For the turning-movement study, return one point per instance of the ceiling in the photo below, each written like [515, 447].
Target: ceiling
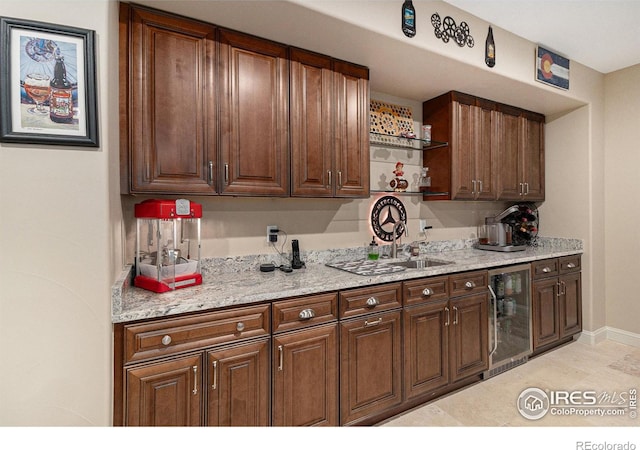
[601, 34]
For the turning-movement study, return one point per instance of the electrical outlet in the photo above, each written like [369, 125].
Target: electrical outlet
[272, 233]
[423, 225]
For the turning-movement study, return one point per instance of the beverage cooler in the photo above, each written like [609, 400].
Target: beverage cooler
[510, 327]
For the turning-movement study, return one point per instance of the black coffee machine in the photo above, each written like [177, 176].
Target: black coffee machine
[510, 231]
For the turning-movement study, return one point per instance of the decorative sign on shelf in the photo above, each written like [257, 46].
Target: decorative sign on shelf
[552, 68]
[447, 29]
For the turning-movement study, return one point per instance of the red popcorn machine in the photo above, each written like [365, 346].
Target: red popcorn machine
[167, 244]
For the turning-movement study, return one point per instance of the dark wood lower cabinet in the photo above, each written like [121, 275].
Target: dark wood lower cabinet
[370, 365]
[469, 336]
[165, 394]
[238, 388]
[305, 377]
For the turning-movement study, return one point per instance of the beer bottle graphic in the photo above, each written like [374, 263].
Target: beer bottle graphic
[61, 101]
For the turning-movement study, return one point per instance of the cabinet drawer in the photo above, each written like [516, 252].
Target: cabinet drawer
[426, 290]
[303, 312]
[468, 283]
[569, 264]
[545, 268]
[378, 298]
[169, 336]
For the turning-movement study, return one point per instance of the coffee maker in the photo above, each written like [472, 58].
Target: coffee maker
[509, 231]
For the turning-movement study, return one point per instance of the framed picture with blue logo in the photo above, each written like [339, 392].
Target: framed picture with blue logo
[551, 68]
[47, 88]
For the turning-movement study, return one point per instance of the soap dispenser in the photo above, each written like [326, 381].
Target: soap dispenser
[372, 250]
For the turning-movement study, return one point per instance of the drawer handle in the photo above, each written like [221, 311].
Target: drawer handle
[166, 340]
[240, 326]
[281, 357]
[446, 311]
[469, 285]
[427, 292]
[214, 386]
[546, 269]
[372, 301]
[306, 314]
[571, 266]
[373, 323]
[455, 316]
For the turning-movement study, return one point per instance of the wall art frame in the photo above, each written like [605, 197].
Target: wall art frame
[551, 68]
[33, 55]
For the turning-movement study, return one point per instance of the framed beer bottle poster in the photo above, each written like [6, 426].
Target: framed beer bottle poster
[47, 92]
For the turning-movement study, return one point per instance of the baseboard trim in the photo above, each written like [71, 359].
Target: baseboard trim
[613, 334]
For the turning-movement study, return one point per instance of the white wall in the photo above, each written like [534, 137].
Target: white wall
[621, 185]
[55, 232]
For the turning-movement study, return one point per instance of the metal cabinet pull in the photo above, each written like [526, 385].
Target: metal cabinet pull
[373, 323]
[195, 380]
[480, 190]
[339, 179]
[329, 179]
[210, 172]
[469, 285]
[306, 314]
[214, 386]
[521, 188]
[446, 310]
[526, 192]
[455, 316]
[559, 289]
[571, 266]
[281, 357]
[473, 189]
[226, 173]
[564, 287]
[546, 269]
[372, 301]
[427, 292]
[240, 326]
[166, 340]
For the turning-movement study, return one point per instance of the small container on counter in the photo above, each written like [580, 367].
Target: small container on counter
[373, 252]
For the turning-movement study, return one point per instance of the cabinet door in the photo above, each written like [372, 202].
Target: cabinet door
[254, 115]
[426, 350]
[370, 365]
[165, 394]
[546, 324]
[238, 385]
[312, 100]
[351, 164]
[533, 174]
[509, 180]
[171, 129]
[305, 377]
[486, 124]
[469, 335]
[462, 143]
[570, 304]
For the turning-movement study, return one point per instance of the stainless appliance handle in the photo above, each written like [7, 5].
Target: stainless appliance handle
[495, 321]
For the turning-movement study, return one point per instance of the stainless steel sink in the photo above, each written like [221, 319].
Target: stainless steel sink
[420, 263]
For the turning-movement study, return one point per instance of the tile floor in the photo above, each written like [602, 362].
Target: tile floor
[608, 368]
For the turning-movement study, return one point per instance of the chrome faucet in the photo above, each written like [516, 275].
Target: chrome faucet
[394, 245]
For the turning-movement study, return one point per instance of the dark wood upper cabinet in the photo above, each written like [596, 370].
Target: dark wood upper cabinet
[254, 115]
[494, 151]
[168, 122]
[329, 126]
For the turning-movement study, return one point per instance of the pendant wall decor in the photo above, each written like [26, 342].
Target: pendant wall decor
[490, 50]
[447, 29]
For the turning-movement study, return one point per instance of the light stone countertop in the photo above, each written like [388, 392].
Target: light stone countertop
[237, 281]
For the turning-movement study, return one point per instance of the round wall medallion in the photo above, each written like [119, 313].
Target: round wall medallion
[386, 212]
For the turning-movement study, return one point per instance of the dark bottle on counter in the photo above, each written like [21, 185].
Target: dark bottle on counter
[490, 50]
[61, 100]
[408, 19]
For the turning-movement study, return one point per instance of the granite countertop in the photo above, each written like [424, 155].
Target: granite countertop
[237, 281]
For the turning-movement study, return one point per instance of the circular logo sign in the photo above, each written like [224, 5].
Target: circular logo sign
[386, 212]
[533, 403]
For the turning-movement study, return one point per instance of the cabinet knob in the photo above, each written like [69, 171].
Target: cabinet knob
[372, 301]
[306, 314]
[240, 326]
[546, 269]
[166, 340]
[427, 292]
[469, 285]
[571, 266]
